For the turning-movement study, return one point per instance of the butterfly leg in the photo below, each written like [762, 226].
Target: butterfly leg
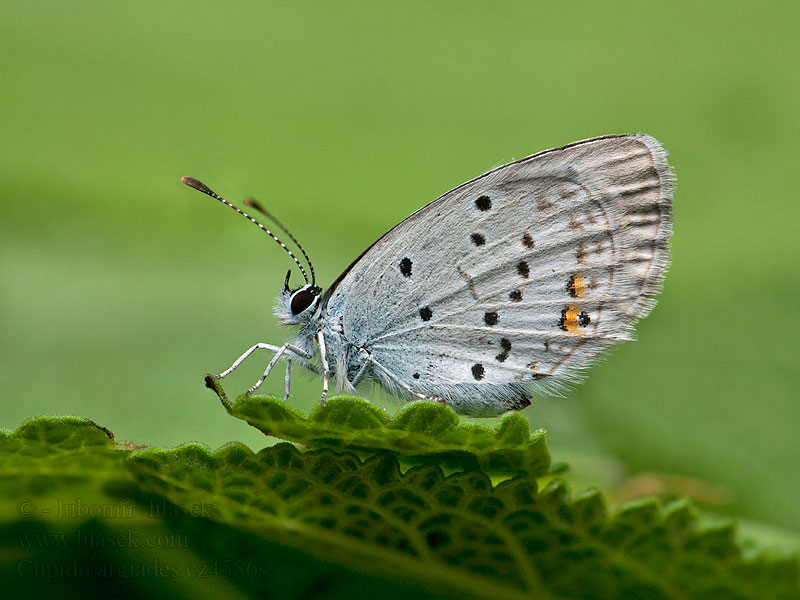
[279, 350]
[278, 353]
[242, 358]
[288, 380]
[357, 379]
[261, 346]
[325, 368]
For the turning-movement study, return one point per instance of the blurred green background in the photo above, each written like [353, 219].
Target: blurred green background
[120, 287]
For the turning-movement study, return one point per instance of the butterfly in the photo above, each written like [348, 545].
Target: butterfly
[509, 285]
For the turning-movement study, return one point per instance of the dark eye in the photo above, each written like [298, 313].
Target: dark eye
[301, 301]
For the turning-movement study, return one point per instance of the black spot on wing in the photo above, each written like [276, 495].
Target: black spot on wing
[483, 203]
[426, 313]
[478, 239]
[478, 371]
[505, 344]
[523, 269]
[516, 296]
[490, 318]
[527, 241]
[405, 266]
[415, 375]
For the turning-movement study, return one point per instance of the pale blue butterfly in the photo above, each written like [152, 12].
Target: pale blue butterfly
[508, 285]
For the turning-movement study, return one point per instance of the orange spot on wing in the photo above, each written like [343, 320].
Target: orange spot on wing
[580, 286]
[569, 319]
[576, 286]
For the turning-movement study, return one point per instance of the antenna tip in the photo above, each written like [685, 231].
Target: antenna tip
[252, 202]
[194, 183]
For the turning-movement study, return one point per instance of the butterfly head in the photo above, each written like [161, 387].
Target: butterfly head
[293, 306]
[298, 305]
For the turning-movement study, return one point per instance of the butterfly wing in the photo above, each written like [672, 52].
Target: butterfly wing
[518, 279]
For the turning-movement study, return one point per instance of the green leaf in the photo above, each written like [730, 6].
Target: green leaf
[109, 521]
[459, 533]
[74, 522]
[421, 433]
[48, 455]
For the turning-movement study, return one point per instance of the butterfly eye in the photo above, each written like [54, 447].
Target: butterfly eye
[302, 300]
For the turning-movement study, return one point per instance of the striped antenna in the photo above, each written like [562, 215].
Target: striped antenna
[253, 203]
[201, 187]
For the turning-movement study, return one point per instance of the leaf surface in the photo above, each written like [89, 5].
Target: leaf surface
[328, 523]
[420, 433]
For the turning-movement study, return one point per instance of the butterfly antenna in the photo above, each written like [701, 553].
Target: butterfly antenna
[201, 187]
[253, 203]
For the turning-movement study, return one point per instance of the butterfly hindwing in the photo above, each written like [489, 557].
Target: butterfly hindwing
[517, 279]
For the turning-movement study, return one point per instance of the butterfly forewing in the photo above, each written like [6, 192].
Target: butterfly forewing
[519, 278]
